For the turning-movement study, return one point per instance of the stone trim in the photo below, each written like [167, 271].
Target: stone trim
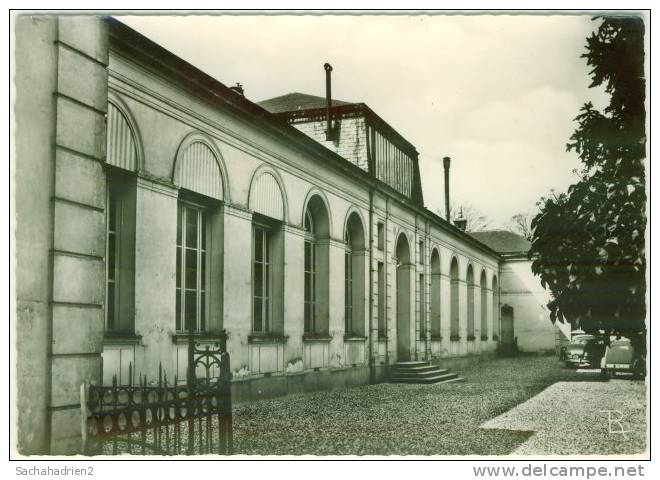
[77, 204]
[71, 48]
[121, 339]
[78, 153]
[80, 103]
[261, 339]
[236, 211]
[67, 253]
[316, 338]
[157, 186]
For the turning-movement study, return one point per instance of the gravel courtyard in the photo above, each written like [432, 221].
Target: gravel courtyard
[395, 419]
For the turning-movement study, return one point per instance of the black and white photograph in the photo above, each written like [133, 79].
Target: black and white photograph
[330, 234]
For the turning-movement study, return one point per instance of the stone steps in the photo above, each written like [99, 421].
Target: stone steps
[420, 373]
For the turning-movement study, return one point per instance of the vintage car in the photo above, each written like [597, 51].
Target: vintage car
[583, 351]
[621, 357]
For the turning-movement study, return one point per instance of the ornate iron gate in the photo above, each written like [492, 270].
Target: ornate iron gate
[163, 418]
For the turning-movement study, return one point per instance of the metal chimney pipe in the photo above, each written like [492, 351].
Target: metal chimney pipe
[328, 99]
[446, 161]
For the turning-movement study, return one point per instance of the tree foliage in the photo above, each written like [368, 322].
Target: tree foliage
[588, 244]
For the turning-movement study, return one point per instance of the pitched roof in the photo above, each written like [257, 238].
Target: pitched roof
[297, 101]
[502, 241]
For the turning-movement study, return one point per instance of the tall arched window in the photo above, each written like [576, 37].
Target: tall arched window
[268, 204]
[496, 309]
[435, 294]
[198, 172]
[484, 306]
[124, 150]
[470, 303]
[453, 273]
[354, 275]
[310, 273]
[316, 267]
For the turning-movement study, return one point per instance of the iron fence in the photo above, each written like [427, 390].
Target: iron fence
[163, 417]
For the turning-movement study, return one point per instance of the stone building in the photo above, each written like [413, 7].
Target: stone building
[524, 316]
[151, 199]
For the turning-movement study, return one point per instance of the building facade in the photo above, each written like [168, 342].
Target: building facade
[524, 317]
[151, 201]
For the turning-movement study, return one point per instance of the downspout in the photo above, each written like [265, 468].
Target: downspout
[372, 363]
[385, 293]
[370, 337]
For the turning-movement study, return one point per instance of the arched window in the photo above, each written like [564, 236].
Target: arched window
[453, 273]
[198, 173]
[354, 275]
[123, 150]
[435, 294]
[267, 201]
[310, 273]
[484, 306]
[316, 225]
[470, 302]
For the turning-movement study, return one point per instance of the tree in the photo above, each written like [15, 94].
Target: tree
[521, 223]
[588, 244]
[476, 221]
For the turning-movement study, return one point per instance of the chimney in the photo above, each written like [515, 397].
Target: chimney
[238, 88]
[328, 100]
[446, 161]
[460, 222]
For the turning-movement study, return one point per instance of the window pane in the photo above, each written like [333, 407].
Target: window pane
[257, 315]
[178, 267]
[191, 227]
[258, 247]
[111, 256]
[191, 309]
[203, 230]
[203, 271]
[202, 312]
[266, 282]
[112, 210]
[308, 256]
[308, 317]
[266, 315]
[308, 286]
[178, 309]
[111, 306]
[267, 246]
[179, 214]
[258, 280]
[191, 268]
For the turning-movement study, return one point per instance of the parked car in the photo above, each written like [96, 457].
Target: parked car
[583, 351]
[621, 356]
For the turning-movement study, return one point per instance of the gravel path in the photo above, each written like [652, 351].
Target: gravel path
[395, 419]
[571, 419]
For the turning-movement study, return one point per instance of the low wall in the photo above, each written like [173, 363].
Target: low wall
[457, 364]
[269, 386]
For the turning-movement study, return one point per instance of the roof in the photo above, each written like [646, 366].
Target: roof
[129, 42]
[502, 241]
[297, 101]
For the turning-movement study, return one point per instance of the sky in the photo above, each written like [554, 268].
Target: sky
[496, 93]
